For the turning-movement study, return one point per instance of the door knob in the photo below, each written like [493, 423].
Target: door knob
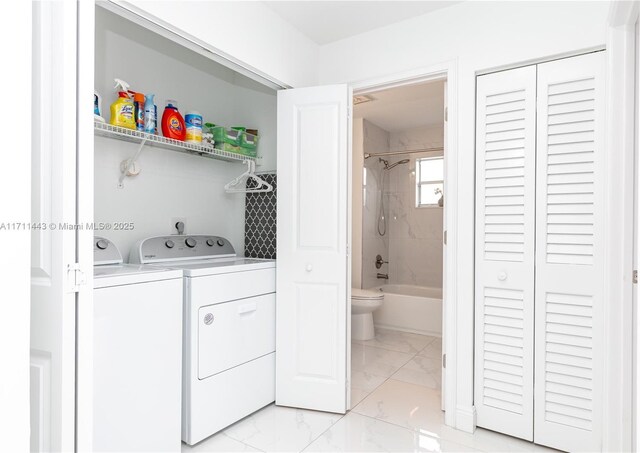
[309, 268]
[502, 276]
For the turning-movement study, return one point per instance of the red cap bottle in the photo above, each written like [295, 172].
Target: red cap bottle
[173, 122]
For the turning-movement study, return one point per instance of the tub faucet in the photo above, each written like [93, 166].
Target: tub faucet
[385, 276]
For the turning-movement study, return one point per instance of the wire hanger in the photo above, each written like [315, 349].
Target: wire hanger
[248, 182]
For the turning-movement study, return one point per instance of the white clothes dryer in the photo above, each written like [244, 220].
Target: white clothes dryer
[229, 329]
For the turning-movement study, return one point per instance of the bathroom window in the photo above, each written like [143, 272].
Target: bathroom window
[429, 181]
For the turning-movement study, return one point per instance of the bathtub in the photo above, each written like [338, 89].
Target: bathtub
[416, 309]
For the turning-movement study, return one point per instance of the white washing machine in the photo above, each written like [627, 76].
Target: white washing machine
[137, 354]
[229, 329]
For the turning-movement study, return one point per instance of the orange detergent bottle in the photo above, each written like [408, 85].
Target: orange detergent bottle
[173, 122]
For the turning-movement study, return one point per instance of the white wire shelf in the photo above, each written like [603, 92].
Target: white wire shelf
[158, 141]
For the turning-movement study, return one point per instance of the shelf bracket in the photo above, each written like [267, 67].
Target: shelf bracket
[129, 163]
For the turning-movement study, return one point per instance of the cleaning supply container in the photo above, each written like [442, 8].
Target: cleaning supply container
[172, 122]
[193, 123]
[228, 135]
[97, 107]
[139, 104]
[150, 121]
[123, 110]
[207, 134]
[249, 143]
[227, 139]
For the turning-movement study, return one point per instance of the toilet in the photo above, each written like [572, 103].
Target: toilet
[363, 303]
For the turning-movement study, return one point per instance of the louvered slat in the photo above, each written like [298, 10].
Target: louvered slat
[568, 364]
[504, 174]
[503, 316]
[572, 127]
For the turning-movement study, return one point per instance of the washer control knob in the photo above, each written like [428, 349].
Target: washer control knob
[220, 242]
[190, 242]
[102, 244]
[169, 243]
[210, 242]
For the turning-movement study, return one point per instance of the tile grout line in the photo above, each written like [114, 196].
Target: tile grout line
[369, 393]
[322, 433]
[433, 339]
[392, 374]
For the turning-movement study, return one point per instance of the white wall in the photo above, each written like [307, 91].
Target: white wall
[171, 184]
[474, 36]
[376, 140]
[15, 205]
[415, 234]
[417, 138]
[248, 31]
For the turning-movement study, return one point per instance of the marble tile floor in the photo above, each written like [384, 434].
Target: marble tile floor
[395, 400]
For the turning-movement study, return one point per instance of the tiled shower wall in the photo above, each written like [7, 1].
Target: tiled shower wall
[376, 140]
[415, 234]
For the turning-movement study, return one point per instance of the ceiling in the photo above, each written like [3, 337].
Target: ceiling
[326, 22]
[405, 107]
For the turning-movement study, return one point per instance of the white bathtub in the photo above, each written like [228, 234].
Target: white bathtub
[416, 309]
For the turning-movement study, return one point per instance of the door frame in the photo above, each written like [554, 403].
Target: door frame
[620, 413]
[461, 417]
[84, 236]
[636, 258]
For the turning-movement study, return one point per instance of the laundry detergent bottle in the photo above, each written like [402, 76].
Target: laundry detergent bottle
[123, 110]
[173, 122]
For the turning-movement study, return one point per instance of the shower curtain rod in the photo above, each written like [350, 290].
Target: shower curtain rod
[409, 151]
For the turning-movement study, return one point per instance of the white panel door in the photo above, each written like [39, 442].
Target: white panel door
[312, 282]
[53, 205]
[505, 220]
[570, 253]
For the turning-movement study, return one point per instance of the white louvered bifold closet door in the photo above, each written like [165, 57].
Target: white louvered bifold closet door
[569, 253]
[505, 221]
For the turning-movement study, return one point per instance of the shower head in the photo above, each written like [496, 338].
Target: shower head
[400, 162]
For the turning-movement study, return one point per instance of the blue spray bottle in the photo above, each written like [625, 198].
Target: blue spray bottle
[149, 115]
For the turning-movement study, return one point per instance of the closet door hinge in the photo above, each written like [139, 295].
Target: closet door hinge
[75, 278]
[444, 237]
[444, 360]
[446, 113]
[635, 276]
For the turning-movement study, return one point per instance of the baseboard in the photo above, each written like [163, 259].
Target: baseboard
[402, 329]
[466, 418]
